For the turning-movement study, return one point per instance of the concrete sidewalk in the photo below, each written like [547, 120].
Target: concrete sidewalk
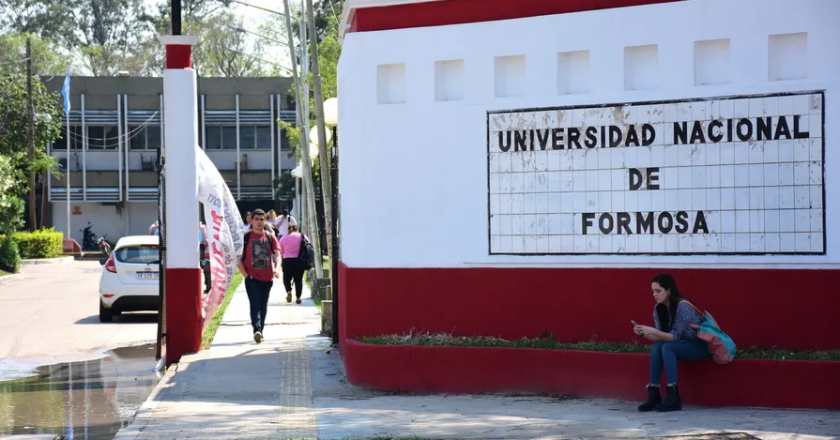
[290, 387]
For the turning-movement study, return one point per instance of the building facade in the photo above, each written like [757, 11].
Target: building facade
[576, 150]
[116, 131]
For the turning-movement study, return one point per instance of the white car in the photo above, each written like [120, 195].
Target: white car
[130, 277]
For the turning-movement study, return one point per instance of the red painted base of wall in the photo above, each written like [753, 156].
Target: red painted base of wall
[744, 382]
[183, 313]
[766, 308]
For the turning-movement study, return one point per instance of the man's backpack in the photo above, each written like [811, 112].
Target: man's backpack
[307, 253]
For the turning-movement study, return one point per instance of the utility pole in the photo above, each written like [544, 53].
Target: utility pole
[31, 113]
[323, 153]
[309, 188]
[176, 17]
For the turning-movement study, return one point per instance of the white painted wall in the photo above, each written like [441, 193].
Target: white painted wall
[226, 160]
[102, 160]
[134, 220]
[414, 174]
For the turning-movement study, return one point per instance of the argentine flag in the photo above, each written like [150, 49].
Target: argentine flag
[65, 92]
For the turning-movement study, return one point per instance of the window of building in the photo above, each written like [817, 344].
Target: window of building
[264, 138]
[75, 139]
[250, 137]
[102, 137]
[213, 137]
[247, 138]
[144, 137]
[229, 138]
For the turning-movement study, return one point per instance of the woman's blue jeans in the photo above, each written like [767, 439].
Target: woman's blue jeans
[667, 353]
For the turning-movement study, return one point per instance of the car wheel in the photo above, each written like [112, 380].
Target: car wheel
[105, 315]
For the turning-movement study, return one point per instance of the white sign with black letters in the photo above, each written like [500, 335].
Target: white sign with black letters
[731, 175]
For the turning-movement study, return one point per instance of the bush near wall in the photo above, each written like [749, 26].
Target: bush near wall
[45, 243]
[9, 257]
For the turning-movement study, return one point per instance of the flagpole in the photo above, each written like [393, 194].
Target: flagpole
[69, 143]
[67, 175]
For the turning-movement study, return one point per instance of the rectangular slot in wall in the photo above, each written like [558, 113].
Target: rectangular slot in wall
[573, 72]
[390, 83]
[449, 80]
[510, 76]
[641, 67]
[712, 62]
[787, 57]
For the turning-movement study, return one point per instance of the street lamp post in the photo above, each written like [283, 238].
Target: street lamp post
[331, 119]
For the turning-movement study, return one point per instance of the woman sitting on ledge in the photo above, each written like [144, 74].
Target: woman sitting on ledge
[673, 339]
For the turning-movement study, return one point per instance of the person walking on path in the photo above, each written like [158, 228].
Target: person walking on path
[293, 267]
[283, 222]
[258, 265]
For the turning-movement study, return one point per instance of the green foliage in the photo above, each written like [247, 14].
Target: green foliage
[45, 243]
[47, 56]
[284, 186]
[11, 206]
[549, 343]
[9, 256]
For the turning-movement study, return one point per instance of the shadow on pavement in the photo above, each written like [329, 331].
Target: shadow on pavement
[125, 318]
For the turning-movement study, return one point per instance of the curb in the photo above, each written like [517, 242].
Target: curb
[145, 414]
[10, 278]
[59, 260]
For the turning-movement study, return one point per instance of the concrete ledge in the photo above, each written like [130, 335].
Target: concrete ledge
[10, 278]
[744, 382]
[59, 260]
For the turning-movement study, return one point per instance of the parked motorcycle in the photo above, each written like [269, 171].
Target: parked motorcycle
[104, 246]
[90, 242]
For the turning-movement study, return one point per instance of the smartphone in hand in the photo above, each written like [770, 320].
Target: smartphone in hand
[634, 323]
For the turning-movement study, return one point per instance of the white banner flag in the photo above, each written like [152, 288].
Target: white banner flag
[224, 230]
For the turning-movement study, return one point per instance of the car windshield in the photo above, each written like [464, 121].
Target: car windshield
[141, 254]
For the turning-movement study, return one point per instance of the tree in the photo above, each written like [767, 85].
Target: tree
[224, 52]
[52, 20]
[11, 206]
[14, 119]
[109, 32]
[47, 57]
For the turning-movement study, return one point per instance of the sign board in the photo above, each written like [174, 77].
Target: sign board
[724, 175]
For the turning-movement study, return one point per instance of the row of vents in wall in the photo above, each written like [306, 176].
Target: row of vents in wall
[787, 60]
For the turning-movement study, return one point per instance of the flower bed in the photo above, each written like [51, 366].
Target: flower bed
[470, 369]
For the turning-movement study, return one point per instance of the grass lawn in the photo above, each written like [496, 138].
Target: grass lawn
[210, 333]
[4, 273]
[326, 265]
[448, 340]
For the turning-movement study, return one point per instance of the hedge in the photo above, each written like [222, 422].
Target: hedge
[45, 243]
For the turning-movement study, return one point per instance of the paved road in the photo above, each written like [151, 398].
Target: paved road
[52, 315]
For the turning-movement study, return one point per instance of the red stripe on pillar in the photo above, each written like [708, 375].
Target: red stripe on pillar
[448, 12]
[183, 313]
[178, 56]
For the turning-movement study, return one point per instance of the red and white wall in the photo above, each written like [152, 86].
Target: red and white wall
[437, 234]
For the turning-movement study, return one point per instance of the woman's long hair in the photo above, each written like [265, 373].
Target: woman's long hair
[666, 314]
[272, 216]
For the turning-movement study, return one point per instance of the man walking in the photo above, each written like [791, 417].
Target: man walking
[283, 223]
[259, 265]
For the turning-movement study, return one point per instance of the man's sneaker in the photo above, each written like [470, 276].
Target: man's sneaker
[258, 337]
[298, 301]
[289, 297]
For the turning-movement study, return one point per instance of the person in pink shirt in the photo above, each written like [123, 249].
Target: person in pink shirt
[293, 267]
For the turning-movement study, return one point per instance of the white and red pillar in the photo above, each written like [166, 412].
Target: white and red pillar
[183, 273]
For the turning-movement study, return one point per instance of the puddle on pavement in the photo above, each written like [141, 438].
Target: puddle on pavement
[89, 400]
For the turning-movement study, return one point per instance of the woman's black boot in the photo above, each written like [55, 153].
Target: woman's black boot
[653, 399]
[672, 400]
